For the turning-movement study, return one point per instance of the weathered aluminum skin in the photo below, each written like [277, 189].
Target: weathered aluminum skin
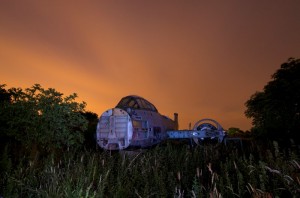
[203, 129]
[135, 122]
[114, 129]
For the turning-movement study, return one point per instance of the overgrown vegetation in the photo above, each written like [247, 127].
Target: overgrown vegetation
[165, 171]
[41, 120]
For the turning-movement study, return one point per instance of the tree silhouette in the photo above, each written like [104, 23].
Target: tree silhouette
[4, 95]
[276, 110]
[90, 134]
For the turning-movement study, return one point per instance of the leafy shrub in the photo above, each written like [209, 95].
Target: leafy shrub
[42, 118]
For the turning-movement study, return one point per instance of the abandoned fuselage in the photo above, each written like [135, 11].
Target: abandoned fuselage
[134, 122]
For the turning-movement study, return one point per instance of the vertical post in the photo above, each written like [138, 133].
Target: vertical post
[176, 121]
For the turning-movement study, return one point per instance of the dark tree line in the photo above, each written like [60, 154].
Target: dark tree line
[275, 111]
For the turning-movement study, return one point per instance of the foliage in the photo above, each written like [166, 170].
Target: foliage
[4, 98]
[4, 95]
[90, 134]
[42, 118]
[232, 131]
[164, 171]
[276, 110]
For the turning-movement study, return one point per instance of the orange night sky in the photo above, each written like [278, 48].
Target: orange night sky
[202, 59]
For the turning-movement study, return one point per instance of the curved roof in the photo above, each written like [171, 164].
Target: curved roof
[136, 102]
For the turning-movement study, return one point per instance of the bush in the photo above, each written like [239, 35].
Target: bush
[42, 119]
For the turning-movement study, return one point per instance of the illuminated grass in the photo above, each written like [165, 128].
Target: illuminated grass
[164, 171]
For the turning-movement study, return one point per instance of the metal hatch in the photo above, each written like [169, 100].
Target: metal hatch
[114, 129]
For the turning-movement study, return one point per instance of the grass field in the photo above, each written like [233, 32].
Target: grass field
[169, 170]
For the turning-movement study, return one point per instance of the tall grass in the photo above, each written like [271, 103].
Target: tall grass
[164, 171]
